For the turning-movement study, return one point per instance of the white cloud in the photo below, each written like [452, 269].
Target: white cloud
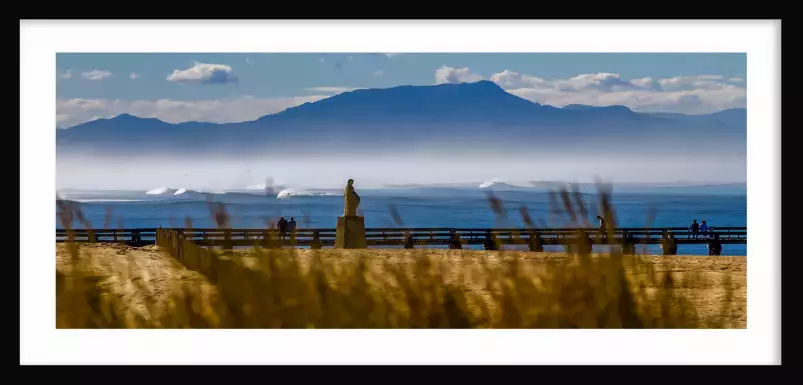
[96, 74]
[604, 82]
[61, 118]
[685, 94]
[510, 79]
[647, 83]
[70, 112]
[134, 75]
[66, 75]
[204, 73]
[447, 74]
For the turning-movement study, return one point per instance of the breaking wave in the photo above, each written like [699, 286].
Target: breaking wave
[497, 183]
[160, 191]
[290, 193]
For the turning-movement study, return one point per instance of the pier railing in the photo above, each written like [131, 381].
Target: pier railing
[491, 239]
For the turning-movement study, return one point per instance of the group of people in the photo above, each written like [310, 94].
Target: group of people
[284, 226]
[697, 228]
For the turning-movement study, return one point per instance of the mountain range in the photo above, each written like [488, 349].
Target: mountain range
[471, 116]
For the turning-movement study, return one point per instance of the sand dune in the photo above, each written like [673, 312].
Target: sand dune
[144, 280]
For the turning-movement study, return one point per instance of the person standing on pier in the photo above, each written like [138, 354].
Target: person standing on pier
[695, 228]
[291, 227]
[282, 227]
[704, 229]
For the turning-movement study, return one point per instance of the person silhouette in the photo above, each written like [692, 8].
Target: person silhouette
[602, 228]
[695, 228]
[282, 227]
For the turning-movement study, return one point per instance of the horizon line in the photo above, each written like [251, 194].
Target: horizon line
[445, 185]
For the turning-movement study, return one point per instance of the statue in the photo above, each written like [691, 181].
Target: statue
[350, 228]
[352, 200]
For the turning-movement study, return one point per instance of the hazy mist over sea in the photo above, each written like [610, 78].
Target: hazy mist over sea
[371, 171]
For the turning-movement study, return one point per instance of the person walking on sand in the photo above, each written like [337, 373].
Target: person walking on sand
[602, 229]
[695, 228]
[704, 229]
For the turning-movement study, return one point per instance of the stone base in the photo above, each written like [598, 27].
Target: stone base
[350, 233]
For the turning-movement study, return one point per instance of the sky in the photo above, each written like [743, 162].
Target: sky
[236, 87]
[241, 87]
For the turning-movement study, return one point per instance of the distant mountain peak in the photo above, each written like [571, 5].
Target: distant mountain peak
[125, 116]
[485, 85]
[466, 101]
[124, 119]
[587, 107]
[480, 84]
[133, 118]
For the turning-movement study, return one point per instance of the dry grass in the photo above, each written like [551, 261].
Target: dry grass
[108, 285]
[289, 288]
[138, 284]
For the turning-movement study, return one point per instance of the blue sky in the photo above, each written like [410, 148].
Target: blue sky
[235, 87]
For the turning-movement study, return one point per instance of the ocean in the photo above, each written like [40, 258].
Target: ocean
[416, 207]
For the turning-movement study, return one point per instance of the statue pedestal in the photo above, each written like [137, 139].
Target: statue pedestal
[350, 233]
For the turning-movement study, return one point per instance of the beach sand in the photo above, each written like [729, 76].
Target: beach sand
[141, 278]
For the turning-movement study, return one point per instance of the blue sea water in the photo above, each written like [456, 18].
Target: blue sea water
[419, 207]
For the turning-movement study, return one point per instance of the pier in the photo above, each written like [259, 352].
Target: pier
[455, 238]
